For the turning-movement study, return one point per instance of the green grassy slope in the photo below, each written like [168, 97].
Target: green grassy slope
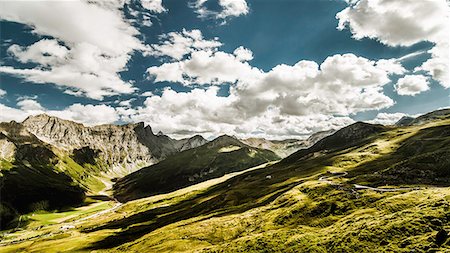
[305, 203]
[36, 176]
[215, 159]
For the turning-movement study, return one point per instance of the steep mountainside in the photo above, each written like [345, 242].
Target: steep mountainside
[49, 163]
[29, 175]
[121, 149]
[284, 148]
[223, 155]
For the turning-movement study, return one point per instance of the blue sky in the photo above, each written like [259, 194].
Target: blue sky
[276, 33]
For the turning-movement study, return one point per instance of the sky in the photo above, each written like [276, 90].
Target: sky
[251, 68]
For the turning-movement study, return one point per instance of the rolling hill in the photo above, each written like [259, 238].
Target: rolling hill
[222, 155]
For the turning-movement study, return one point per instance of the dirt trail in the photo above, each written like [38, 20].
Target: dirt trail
[333, 175]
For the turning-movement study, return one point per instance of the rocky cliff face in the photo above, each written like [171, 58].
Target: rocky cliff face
[121, 148]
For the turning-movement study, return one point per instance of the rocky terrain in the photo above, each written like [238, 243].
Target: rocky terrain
[120, 149]
[284, 148]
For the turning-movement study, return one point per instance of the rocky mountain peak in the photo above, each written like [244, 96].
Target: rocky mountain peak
[118, 145]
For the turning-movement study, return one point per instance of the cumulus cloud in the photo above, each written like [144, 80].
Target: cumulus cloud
[30, 105]
[387, 118]
[178, 44]
[205, 67]
[181, 114]
[404, 23]
[9, 113]
[92, 42]
[243, 54]
[412, 85]
[229, 8]
[87, 114]
[288, 100]
[153, 5]
[342, 84]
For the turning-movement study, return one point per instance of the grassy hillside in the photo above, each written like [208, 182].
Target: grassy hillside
[215, 159]
[317, 200]
[36, 176]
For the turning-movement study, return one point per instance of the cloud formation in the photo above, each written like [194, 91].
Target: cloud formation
[404, 23]
[387, 118]
[92, 43]
[411, 85]
[176, 45]
[229, 8]
[86, 114]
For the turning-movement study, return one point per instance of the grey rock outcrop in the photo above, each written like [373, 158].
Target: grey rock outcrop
[118, 146]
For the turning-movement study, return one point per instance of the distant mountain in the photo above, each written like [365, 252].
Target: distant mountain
[404, 121]
[350, 135]
[286, 147]
[223, 155]
[422, 119]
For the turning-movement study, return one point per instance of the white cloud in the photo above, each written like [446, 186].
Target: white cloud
[92, 44]
[45, 52]
[30, 105]
[147, 94]
[86, 114]
[343, 84]
[9, 113]
[230, 8]
[205, 67]
[412, 85]
[178, 44]
[243, 54]
[126, 103]
[182, 114]
[153, 5]
[387, 118]
[404, 23]
[285, 101]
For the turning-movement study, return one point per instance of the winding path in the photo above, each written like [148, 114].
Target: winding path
[326, 179]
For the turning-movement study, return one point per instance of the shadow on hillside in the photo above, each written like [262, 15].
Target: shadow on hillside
[422, 159]
[236, 195]
[228, 199]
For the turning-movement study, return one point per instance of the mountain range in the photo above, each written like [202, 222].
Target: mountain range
[363, 188]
